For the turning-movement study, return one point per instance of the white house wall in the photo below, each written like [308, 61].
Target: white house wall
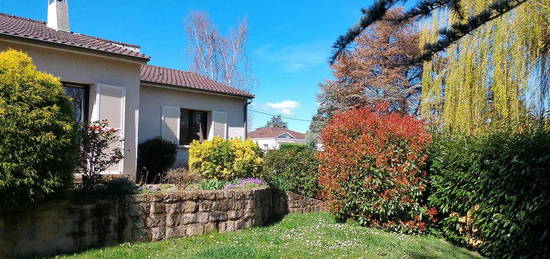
[154, 98]
[275, 143]
[93, 70]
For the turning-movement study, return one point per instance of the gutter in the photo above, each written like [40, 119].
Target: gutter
[246, 118]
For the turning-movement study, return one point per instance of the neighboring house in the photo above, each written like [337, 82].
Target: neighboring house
[111, 80]
[272, 138]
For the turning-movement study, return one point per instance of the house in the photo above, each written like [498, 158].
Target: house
[111, 80]
[272, 138]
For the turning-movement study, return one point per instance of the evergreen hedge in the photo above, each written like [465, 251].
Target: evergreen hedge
[293, 168]
[493, 191]
[37, 132]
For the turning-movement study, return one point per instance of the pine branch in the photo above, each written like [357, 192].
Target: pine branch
[423, 9]
[370, 16]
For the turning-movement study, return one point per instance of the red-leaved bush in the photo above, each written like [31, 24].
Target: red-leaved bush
[372, 169]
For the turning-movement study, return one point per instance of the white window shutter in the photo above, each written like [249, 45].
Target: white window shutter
[170, 129]
[219, 124]
[110, 102]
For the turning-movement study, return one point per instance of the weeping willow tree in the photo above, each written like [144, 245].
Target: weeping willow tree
[497, 75]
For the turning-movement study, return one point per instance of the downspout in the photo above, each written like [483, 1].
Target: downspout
[246, 118]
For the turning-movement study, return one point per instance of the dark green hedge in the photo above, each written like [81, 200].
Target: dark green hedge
[503, 180]
[156, 156]
[293, 168]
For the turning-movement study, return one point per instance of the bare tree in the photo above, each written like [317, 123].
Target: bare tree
[221, 58]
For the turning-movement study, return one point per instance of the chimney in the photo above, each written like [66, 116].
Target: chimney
[58, 15]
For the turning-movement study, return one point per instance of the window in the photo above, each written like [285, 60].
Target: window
[79, 96]
[192, 126]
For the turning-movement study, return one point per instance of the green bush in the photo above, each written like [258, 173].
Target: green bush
[213, 184]
[225, 159]
[293, 168]
[37, 132]
[494, 191]
[156, 156]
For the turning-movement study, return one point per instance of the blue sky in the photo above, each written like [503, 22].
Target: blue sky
[289, 41]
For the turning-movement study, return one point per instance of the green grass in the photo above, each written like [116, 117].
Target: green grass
[314, 235]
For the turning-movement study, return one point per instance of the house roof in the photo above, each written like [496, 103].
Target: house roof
[188, 80]
[274, 132]
[24, 28]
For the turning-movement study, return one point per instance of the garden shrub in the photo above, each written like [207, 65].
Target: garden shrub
[213, 184]
[372, 169]
[181, 178]
[100, 149]
[38, 144]
[108, 186]
[293, 168]
[156, 156]
[493, 191]
[225, 159]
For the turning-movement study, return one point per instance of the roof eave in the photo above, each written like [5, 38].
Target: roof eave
[55, 45]
[192, 89]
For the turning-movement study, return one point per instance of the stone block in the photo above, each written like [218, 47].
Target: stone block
[189, 207]
[203, 217]
[170, 232]
[157, 207]
[210, 227]
[209, 195]
[228, 194]
[195, 229]
[205, 205]
[156, 220]
[218, 216]
[189, 219]
[227, 226]
[172, 208]
[157, 233]
[173, 198]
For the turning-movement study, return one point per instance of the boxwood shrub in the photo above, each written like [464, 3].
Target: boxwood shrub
[293, 168]
[38, 144]
[493, 191]
[225, 159]
[156, 156]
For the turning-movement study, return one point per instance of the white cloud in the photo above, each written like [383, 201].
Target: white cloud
[284, 107]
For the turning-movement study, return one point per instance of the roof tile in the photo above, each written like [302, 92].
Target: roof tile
[15, 26]
[186, 79]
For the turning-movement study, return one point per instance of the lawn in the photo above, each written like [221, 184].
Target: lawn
[314, 235]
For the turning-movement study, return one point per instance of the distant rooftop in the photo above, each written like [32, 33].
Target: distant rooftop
[274, 132]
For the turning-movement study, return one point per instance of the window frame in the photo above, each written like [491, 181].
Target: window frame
[182, 141]
[86, 111]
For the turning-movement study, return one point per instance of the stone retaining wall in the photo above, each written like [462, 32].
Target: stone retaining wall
[78, 224]
[288, 202]
[72, 225]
